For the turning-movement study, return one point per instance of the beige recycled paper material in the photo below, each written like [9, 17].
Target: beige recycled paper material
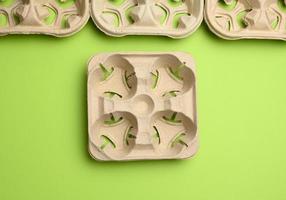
[52, 17]
[236, 19]
[173, 18]
[142, 106]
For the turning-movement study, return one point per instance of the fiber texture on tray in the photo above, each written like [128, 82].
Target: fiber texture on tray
[51, 17]
[142, 106]
[235, 19]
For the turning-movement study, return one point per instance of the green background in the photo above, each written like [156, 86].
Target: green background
[43, 121]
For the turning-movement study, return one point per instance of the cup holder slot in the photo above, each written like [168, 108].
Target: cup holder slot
[114, 134]
[172, 132]
[170, 77]
[115, 79]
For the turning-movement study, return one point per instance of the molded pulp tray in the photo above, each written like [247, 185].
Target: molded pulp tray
[235, 19]
[51, 17]
[174, 18]
[142, 106]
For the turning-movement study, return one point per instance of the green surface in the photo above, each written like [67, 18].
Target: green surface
[43, 121]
